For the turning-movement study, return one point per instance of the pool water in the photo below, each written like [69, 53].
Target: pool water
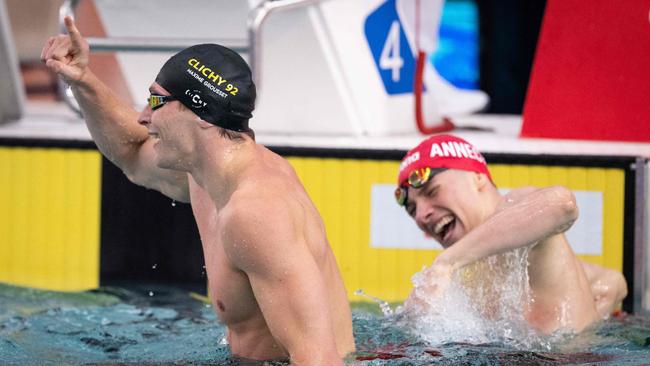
[165, 325]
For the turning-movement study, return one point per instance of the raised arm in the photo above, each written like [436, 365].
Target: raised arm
[524, 217]
[113, 124]
[267, 243]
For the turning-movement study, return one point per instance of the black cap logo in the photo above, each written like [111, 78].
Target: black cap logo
[195, 97]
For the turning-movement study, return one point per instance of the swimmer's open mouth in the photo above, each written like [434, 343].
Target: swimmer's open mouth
[444, 226]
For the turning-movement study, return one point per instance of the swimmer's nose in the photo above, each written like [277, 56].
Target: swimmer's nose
[145, 116]
[423, 214]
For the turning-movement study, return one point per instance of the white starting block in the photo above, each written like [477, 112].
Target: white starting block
[330, 67]
[343, 67]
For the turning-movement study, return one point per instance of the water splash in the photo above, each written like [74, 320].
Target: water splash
[114, 326]
[223, 341]
[383, 305]
[483, 303]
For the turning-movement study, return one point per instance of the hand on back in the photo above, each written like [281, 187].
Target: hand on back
[67, 55]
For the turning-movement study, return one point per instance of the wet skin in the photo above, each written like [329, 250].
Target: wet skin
[273, 278]
[472, 220]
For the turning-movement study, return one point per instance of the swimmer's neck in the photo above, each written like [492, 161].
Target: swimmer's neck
[221, 165]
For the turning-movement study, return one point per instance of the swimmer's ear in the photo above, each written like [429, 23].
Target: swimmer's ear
[203, 124]
[481, 181]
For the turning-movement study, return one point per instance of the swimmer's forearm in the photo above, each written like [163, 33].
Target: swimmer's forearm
[546, 212]
[112, 122]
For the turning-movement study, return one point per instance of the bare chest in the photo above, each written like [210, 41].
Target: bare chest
[229, 288]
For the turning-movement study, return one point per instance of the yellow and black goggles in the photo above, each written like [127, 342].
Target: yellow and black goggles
[156, 101]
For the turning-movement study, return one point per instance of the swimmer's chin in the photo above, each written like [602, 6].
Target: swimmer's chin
[450, 238]
[453, 239]
[444, 243]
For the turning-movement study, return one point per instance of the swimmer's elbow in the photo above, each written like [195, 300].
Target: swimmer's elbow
[566, 208]
[177, 192]
[568, 204]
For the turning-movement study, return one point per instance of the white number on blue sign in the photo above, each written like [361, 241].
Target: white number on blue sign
[391, 58]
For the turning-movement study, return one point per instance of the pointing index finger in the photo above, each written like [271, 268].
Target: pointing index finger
[75, 36]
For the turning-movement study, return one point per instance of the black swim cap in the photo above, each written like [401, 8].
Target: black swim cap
[212, 81]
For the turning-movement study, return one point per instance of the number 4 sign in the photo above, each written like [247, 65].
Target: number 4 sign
[390, 49]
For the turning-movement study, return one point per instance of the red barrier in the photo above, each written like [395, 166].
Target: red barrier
[591, 75]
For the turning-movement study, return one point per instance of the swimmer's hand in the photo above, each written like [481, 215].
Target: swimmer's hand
[429, 286]
[438, 277]
[67, 55]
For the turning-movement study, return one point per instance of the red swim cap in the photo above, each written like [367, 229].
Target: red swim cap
[442, 151]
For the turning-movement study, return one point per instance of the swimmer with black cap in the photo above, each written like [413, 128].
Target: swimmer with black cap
[445, 186]
[273, 279]
[214, 82]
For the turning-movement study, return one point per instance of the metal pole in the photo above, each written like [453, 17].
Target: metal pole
[255, 21]
[641, 258]
[144, 44]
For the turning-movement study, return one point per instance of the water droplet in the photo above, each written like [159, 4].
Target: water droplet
[383, 305]
[150, 293]
[173, 203]
[154, 266]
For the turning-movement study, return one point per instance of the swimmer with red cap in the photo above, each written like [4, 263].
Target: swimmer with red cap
[273, 278]
[446, 187]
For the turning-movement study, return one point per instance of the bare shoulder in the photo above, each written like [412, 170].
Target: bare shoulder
[608, 276]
